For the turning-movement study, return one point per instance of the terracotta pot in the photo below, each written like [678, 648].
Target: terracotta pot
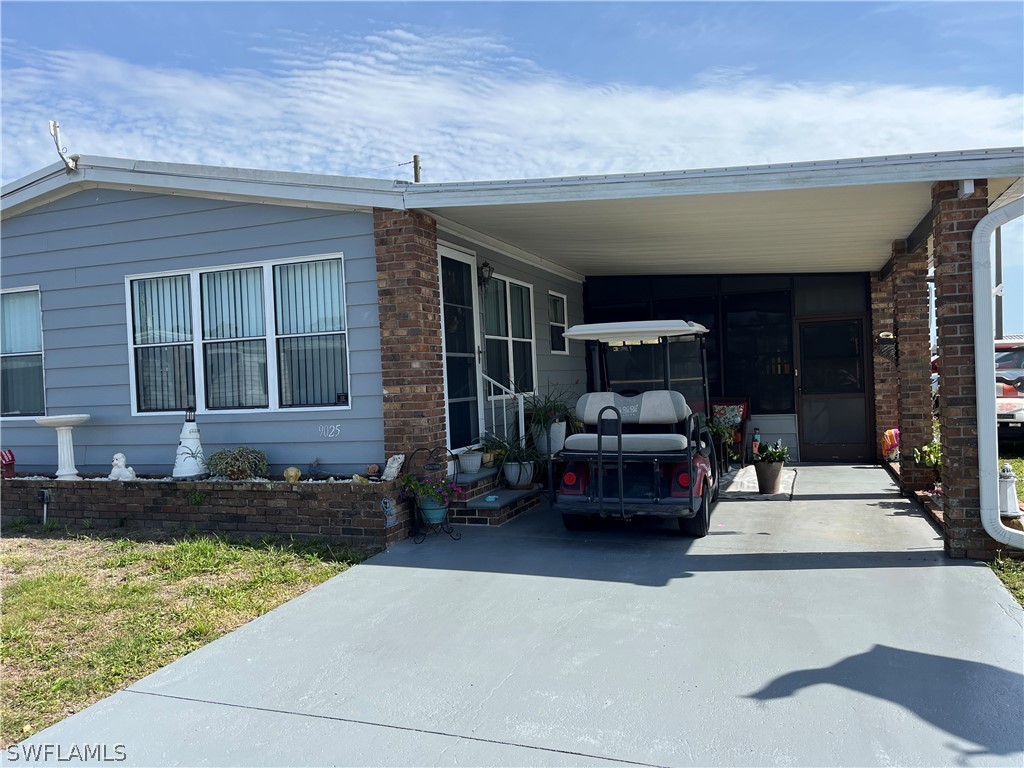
[769, 476]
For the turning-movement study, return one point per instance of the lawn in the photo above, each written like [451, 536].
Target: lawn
[84, 616]
[1011, 572]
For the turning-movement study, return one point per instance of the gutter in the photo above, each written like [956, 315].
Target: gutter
[984, 357]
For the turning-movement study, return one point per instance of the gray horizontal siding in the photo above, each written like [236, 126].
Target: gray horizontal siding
[79, 250]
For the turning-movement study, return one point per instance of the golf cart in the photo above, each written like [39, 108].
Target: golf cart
[643, 452]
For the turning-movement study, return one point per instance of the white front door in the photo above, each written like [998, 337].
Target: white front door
[461, 342]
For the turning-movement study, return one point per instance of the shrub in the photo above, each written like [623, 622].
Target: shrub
[238, 464]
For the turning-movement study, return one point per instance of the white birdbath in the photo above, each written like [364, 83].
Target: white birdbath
[66, 469]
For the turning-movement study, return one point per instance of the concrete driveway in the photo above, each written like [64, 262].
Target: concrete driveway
[827, 630]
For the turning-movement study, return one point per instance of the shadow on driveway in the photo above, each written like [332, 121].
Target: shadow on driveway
[964, 698]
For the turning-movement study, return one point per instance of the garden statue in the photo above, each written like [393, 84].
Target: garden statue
[393, 467]
[189, 462]
[292, 474]
[118, 469]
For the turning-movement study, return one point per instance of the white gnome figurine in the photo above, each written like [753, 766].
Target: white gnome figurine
[119, 471]
[393, 467]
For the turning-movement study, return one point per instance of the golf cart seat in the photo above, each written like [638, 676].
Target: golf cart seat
[660, 407]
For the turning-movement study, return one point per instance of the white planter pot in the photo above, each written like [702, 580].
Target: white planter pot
[519, 475]
[540, 437]
[470, 461]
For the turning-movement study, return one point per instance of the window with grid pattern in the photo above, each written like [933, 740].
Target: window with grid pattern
[21, 354]
[270, 336]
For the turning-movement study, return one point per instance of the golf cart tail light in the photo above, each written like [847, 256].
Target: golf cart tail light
[573, 481]
[680, 482]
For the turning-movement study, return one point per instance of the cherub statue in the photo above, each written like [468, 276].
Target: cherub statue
[119, 471]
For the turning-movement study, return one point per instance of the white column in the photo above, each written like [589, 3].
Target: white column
[66, 469]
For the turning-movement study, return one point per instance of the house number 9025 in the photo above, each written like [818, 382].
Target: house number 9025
[329, 431]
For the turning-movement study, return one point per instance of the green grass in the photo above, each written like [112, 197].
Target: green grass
[1011, 571]
[86, 616]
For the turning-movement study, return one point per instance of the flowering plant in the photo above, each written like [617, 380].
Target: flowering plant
[771, 454]
[440, 490]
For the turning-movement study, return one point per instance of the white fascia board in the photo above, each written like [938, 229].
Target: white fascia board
[45, 186]
[940, 166]
[505, 249]
[248, 185]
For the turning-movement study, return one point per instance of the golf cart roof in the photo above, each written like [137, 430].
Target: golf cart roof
[642, 330]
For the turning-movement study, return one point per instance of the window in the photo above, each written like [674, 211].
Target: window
[21, 354]
[234, 339]
[310, 327]
[269, 336]
[162, 336]
[557, 323]
[508, 333]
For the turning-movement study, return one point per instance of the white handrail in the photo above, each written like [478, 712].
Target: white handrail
[496, 392]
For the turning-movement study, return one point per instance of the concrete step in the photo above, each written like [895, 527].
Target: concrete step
[495, 506]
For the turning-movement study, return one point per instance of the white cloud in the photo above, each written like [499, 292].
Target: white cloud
[470, 107]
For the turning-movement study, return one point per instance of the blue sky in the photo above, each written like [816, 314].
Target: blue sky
[511, 90]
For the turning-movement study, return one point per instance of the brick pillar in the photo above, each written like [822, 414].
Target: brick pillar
[412, 361]
[887, 406]
[955, 220]
[914, 369]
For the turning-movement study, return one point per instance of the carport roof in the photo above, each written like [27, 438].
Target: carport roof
[829, 216]
[834, 216]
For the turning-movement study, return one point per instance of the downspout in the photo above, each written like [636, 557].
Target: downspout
[985, 364]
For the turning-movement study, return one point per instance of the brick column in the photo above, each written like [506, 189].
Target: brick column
[910, 274]
[412, 361]
[955, 220]
[887, 406]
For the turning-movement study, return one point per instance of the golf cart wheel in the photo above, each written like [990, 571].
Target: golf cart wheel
[575, 522]
[696, 527]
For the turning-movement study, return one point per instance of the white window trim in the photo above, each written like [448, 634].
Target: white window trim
[42, 348]
[510, 338]
[273, 395]
[564, 323]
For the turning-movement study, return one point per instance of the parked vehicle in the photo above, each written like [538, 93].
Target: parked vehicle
[1010, 389]
[643, 453]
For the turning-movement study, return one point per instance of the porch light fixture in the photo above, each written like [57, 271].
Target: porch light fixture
[484, 273]
[887, 346]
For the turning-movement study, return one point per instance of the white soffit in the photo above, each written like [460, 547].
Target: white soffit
[835, 229]
[828, 216]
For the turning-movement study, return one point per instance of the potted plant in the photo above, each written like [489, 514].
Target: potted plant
[768, 463]
[723, 434]
[518, 463]
[491, 447]
[470, 461]
[550, 413]
[433, 495]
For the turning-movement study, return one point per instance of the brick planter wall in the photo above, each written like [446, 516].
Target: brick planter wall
[339, 512]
